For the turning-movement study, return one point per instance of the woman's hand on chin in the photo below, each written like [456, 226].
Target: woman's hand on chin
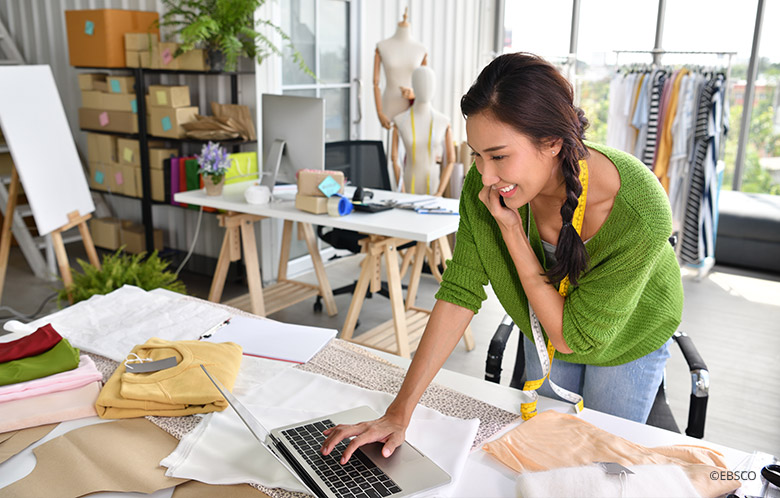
[507, 218]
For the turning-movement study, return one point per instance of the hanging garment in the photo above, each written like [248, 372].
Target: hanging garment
[652, 124]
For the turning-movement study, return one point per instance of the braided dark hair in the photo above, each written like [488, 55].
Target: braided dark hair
[529, 94]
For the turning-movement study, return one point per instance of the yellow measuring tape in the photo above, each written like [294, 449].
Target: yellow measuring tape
[414, 151]
[546, 353]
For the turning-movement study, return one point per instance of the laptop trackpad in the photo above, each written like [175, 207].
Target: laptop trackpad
[402, 455]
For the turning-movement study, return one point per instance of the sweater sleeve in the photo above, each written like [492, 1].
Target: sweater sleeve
[598, 309]
[464, 280]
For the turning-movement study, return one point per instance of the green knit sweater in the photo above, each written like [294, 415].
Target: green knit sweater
[628, 301]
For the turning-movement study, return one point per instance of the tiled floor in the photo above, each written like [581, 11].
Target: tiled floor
[732, 316]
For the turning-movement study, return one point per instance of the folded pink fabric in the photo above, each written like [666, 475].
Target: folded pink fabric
[49, 408]
[84, 374]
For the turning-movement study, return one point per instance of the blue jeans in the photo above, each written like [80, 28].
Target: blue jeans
[626, 391]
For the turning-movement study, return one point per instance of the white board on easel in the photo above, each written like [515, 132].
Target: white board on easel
[42, 147]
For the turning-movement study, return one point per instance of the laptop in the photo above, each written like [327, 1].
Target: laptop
[367, 474]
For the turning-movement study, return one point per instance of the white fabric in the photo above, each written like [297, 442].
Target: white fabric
[112, 324]
[657, 481]
[220, 451]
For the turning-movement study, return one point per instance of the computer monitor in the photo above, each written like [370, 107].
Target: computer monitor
[293, 136]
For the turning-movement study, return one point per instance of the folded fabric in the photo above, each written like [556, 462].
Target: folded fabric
[181, 390]
[84, 374]
[13, 442]
[293, 396]
[656, 481]
[112, 324]
[49, 408]
[553, 440]
[36, 343]
[60, 358]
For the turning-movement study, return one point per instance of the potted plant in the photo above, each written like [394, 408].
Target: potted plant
[226, 29]
[214, 163]
[118, 269]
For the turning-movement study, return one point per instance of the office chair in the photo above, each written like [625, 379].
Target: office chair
[364, 164]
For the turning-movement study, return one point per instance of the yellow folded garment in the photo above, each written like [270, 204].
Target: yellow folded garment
[181, 390]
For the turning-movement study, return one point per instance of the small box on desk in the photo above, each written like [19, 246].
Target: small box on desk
[311, 204]
[105, 232]
[116, 121]
[310, 179]
[133, 237]
[96, 37]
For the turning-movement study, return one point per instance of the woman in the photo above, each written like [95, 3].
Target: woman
[520, 230]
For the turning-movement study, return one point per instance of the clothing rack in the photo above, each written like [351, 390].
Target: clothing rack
[703, 267]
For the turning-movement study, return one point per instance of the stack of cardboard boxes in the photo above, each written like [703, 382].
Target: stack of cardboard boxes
[145, 50]
[108, 103]
[112, 233]
[310, 197]
[168, 107]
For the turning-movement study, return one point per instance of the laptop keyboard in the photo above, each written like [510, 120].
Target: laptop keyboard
[358, 478]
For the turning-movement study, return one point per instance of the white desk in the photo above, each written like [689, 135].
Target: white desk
[386, 231]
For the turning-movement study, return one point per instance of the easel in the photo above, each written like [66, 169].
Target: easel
[74, 219]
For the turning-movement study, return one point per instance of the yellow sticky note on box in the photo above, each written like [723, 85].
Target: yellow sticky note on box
[128, 154]
[162, 97]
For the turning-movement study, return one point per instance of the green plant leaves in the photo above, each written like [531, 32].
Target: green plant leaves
[120, 269]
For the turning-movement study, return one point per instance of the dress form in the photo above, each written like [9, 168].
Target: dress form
[399, 55]
[427, 138]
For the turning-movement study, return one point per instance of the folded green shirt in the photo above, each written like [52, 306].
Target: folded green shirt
[60, 358]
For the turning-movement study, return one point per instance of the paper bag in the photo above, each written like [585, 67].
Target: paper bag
[243, 168]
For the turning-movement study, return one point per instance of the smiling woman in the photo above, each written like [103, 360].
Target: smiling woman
[577, 254]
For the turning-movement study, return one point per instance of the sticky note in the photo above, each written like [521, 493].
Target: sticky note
[128, 154]
[166, 56]
[119, 179]
[103, 118]
[134, 106]
[166, 123]
[162, 97]
[89, 28]
[115, 87]
[99, 177]
[329, 186]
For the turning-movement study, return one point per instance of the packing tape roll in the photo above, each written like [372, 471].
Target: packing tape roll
[338, 205]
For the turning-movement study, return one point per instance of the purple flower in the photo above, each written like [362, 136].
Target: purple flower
[213, 160]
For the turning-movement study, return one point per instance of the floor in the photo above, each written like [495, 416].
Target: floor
[732, 315]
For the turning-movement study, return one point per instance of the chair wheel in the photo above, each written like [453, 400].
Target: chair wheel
[317, 306]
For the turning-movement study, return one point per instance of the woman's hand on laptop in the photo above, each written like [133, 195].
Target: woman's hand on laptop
[388, 429]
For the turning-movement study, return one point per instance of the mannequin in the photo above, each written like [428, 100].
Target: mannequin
[427, 138]
[398, 55]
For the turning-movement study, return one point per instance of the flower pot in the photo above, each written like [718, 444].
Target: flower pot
[216, 59]
[211, 187]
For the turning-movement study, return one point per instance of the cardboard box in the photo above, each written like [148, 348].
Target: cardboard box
[145, 58]
[92, 147]
[166, 59]
[93, 81]
[133, 237]
[194, 60]
[140, 41]
[169, 96]
[113, 182]
[106, 232]
[96, 37]
[128, 150]
[157, 156]
[158, 185]
[167, 121]
[98, 176]
[311, 204]
[92, 99]
[132, 58]
[101, 148]
[129, 186]
[121, 84]
[118, 121]
[309, 180]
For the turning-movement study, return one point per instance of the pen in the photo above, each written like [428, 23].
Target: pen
[436, 211]
[213, 329]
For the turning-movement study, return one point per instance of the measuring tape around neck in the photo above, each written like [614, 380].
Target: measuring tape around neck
[547, 352]
[414, 151]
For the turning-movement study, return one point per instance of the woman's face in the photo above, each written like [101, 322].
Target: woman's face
[509, 162]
